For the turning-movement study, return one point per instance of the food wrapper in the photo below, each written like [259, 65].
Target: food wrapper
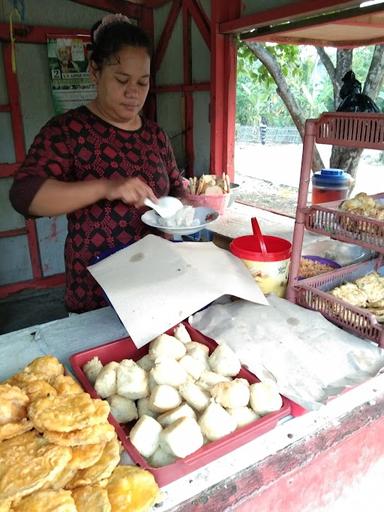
[310, 358]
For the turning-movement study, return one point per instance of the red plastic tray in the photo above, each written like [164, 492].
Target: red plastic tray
[125, 349]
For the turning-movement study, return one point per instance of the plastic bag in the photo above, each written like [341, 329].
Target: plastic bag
[353, 99]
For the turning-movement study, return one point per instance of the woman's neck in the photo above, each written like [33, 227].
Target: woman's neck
[132, 124]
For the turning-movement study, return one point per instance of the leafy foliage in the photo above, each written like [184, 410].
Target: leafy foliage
[305, 75]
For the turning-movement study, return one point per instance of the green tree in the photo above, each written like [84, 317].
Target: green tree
[291, 72]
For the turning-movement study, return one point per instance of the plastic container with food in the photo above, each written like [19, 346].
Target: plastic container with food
[125, 349]
[314, 265]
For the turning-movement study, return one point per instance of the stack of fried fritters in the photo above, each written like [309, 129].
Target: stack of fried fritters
[58, 453]
[365, 292]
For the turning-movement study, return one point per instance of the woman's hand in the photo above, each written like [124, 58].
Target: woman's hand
[130, 191]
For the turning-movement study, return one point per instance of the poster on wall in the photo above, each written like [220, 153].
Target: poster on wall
[68, 68]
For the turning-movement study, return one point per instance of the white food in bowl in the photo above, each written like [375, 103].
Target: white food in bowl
[183, 218]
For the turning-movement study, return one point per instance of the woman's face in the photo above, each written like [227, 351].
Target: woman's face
[122, 84]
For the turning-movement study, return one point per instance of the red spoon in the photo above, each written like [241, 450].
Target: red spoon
[257, 232]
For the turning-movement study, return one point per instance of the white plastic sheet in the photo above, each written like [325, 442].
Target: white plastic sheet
[310, 358]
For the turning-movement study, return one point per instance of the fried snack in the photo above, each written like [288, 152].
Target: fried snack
[86, 455]
[371, 285]
[47, 501]
[23, 442]
[350, 293]
[66, 385]
[91, 498]
[378, 304]
[5, 505]
[27, 462]
[82, 457]
[38, 389]
[101, 469]
[67, 413]
[48, 366]
[132, 488]
[90, 435]
[379, 314]
[22, 379]
[13, 404]
[62, 479]
[10, 430]
[364, 206]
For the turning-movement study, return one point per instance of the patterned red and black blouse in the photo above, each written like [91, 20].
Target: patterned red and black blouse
[79, 146]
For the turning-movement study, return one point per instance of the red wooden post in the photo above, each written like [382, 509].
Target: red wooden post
[19, 144]
[166, 34]
[223, 88]
[147, 24]
[188, 97]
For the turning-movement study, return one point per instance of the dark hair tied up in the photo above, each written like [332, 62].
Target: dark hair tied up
[113, 33]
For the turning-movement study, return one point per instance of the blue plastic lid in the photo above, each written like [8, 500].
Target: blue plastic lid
[334, 178]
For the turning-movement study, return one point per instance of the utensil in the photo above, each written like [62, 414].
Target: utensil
[166, 207]
[203, 215]
[257, 232]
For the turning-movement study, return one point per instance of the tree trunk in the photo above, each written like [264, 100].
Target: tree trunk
[284, 92]
[375, 73]
[346, 158]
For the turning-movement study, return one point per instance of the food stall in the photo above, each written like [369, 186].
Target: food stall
[321, 447]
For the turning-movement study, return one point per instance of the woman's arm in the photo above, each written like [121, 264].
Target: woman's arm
[45, 183]
[56, 197]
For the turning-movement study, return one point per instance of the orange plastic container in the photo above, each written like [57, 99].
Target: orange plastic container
[125, 349]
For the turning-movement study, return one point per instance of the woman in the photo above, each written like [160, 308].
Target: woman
[98, 163]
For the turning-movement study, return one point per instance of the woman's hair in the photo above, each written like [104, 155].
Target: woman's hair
[113, 33]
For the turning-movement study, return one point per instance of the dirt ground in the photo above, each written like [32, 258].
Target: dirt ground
[269, 175]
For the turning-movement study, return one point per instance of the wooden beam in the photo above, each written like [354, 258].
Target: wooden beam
[223, 88]
[19, 145]
[188, 98]
[296, 9]
[166, 34]
[8, 170]
[10, 233]
[147, 24]
[132, 10]
[44, 282]
[195, 87]
[154, 4]
[201, 20]
[37, 34]
[321, 42]
[282, 33]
